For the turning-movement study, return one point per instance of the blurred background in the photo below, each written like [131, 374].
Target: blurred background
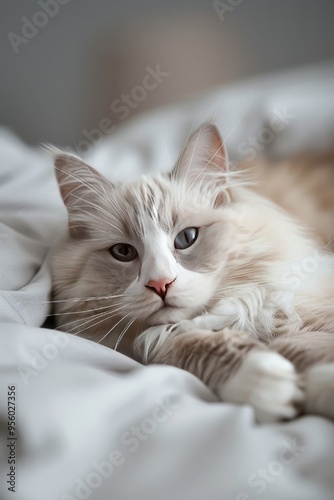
[71, 67]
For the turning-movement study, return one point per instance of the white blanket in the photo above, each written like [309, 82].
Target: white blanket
[91, 423]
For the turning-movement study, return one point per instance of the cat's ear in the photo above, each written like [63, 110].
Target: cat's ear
[204, 156]
[82, 189]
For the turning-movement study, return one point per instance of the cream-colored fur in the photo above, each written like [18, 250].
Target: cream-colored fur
[259, 277]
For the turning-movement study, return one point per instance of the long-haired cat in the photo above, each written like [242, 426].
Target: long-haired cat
[222, 281]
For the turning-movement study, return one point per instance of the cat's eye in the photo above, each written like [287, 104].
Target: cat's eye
[123, 252]
[186, 238]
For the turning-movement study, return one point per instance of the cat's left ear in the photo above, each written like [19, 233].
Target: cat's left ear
[83, 190]
[204, 156]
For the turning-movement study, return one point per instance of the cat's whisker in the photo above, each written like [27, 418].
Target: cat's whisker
[111, 310]
[80, 323]
[327, 244]
[84, 321]
[81, 299]
[121, 335]
[102, 318]
[111, 329]
[75, 144]
[85, 311]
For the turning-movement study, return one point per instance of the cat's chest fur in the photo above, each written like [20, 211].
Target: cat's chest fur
[263, 314]
[286, 307]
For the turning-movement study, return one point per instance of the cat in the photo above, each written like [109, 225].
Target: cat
[222, 276]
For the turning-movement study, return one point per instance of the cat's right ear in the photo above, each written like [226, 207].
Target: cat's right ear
[82, 189]
[204, 161]
[203, 157]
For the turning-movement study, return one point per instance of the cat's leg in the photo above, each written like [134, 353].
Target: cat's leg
[238, 369]
[312, 353]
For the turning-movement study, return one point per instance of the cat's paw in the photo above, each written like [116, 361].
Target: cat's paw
[209, 322]
[267, 381]
[184, 326]
[149, 342]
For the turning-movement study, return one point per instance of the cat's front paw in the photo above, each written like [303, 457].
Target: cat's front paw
[267, 381]
[147, 345]
[209, 322]
[184, 326]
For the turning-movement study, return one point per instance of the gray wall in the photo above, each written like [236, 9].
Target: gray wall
[63, 79]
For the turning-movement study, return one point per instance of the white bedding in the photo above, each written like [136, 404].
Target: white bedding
[79, 404]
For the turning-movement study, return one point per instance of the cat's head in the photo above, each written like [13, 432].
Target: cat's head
[157, 248]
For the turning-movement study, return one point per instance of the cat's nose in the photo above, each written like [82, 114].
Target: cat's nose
[160, 286]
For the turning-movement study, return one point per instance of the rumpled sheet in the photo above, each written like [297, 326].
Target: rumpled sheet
[92, 423]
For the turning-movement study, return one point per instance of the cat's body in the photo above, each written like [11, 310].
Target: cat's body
[215, 272]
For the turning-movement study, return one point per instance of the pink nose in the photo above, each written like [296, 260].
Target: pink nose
[160, 286]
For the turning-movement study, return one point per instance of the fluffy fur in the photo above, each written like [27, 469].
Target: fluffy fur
[259, 278]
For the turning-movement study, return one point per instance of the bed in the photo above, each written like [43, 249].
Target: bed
[93, 423]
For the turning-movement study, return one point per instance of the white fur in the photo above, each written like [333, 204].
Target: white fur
[269, 383]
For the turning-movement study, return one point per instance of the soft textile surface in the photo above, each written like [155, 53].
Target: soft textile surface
[94, 424]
